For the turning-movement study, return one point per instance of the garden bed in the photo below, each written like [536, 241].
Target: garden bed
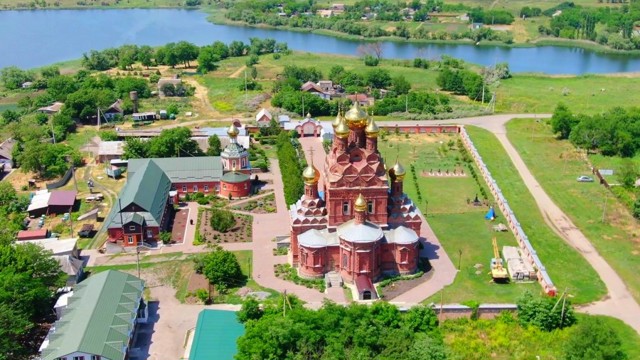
[263, 205]
[288, 273]
[241, 232]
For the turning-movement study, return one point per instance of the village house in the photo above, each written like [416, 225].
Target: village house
[362, 99]
[263, 117]
[66, 252]
[6, 154]
[115, 110]
[51, 109]
[110, 150]
[312, 88]
[99, 320]
[325, 13]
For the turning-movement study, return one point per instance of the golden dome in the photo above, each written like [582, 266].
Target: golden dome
[361, 203]
[342, 130]
[356, 116]
[398, 171]
[233, 131]
[310, 175]
[372, 129]
[338, 119]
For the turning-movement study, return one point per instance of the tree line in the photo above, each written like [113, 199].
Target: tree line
[175, 142]
[180, 53]
[614, 132]
[291, 166]
[610, 26]
[29, 278]
[284, 329]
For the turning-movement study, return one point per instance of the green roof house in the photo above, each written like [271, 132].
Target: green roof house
[216, 334]
[141, 212]
[99, 320]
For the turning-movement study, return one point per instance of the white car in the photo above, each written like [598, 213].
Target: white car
[585, 178]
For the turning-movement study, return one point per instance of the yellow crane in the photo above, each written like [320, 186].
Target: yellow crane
[498, 272]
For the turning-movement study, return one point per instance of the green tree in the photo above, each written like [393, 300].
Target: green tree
[546, 313]
[186, 52]
[562, 121]
[13, 77]
[222, 220]
[250, 310]
[222, 269]
[628, 173]
[48, 72]
[593, 339]
[135, 148]
[145, 55]
[174, 142]
[208, 59]
[400, 85]
[46, 159]
[7, 193]
[9, 116]
[59, 87]
[215, 147]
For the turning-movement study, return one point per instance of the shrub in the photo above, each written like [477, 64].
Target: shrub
[222, 220]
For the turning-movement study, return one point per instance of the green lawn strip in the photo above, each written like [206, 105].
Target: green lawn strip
[565, 266]
[556, 165]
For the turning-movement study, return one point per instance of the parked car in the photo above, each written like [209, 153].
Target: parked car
[585, 178]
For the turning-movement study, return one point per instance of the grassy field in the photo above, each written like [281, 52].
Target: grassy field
[565, 266]
[541, 94]
[458, 225]
[556, 164]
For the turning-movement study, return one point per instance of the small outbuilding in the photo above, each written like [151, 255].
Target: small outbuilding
[235, 184]
[365, 288]
[32, 234]
[110, 150]
[216, 334]
[61, 202]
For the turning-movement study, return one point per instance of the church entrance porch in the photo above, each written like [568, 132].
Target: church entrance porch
[365, 288]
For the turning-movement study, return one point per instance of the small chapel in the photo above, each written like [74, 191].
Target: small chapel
[363, 225]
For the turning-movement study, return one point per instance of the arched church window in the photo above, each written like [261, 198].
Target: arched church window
[370, 206]
[345, 208]
[345, 261]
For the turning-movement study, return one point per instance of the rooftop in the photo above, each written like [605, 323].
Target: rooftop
[111, 148]
[99, 317]
[216, 335]
[62, 198]
[183, 169]
[57, 246]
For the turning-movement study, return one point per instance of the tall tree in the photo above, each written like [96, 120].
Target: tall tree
[562, 121]
[593, 339]
[222, 269]
[215, 147]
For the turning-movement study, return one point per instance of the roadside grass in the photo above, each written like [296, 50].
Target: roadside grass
[541, 94]
[556, 165]
[458, 225]
[567, 269]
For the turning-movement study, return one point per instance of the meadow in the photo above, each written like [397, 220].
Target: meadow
[460, 226]
[566, 267]
[599, 215]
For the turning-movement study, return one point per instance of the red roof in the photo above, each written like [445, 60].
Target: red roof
[63, 198]
[360, 97]
[32, 234]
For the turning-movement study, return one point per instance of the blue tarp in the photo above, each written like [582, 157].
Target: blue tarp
[491, 214]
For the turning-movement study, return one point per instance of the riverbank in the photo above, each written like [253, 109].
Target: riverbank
[217, 16]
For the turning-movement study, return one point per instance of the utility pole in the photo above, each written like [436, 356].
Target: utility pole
[459, 258]
[483, 90]
[604, 207]
[53, 134]
[245, 85]
[302, 105]
[138, 259]
[406, 103]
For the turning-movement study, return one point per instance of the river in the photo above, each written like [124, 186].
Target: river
[39, 37]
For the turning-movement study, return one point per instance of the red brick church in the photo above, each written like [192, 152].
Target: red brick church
[364, 226]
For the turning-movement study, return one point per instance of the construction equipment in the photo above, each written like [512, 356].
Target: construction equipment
[498, 272]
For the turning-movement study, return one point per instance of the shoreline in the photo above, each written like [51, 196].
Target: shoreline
[216, 16]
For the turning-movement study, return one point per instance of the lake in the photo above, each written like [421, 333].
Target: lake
[35, 38]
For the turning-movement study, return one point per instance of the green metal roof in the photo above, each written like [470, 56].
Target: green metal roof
[99, 318]
[184, 169]
[148, 187]
[216, 334]
[234, 177]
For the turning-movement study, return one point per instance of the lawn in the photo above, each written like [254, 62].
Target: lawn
[556, 164]
[541, 94]
[565, 266]
[458, 225]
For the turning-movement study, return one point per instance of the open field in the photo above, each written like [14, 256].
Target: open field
[458, 225]
[556, 164]
[565, 266]
[541, 94]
